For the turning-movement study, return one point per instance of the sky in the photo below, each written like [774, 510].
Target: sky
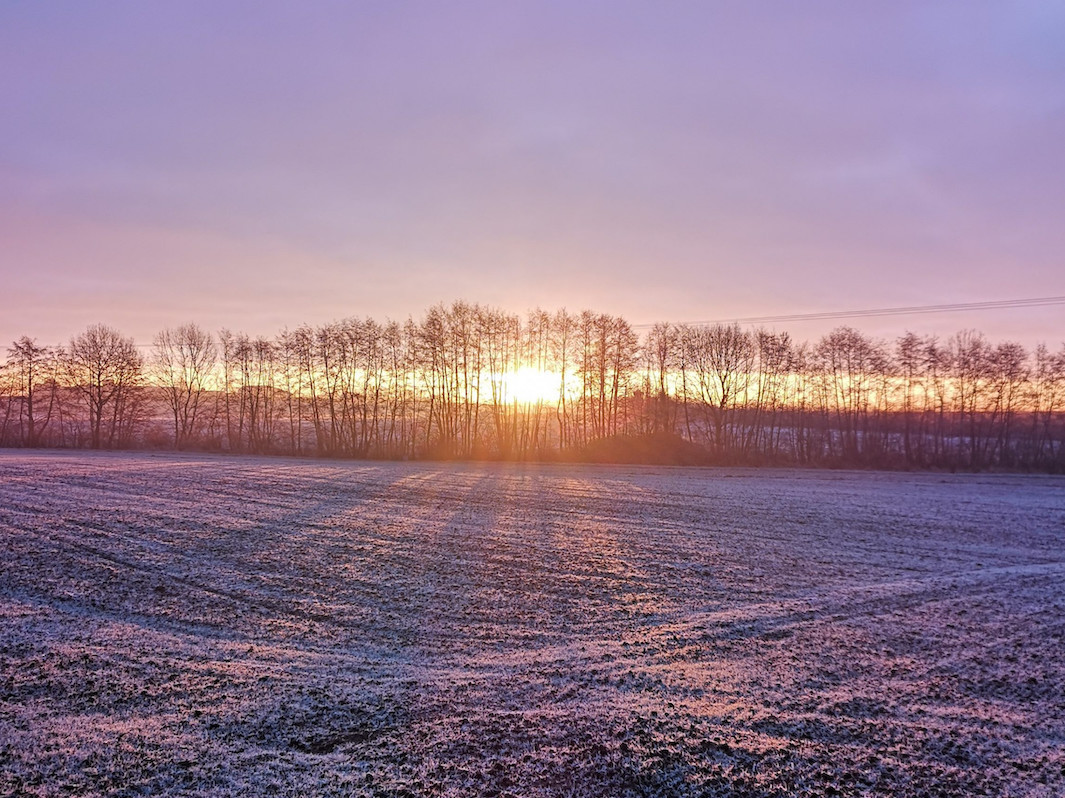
[259, 165]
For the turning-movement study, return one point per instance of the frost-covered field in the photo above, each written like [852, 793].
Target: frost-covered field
[238, 626]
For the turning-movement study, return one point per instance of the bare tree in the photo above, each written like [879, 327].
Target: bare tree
[660, 360]
[292, 383]
[232, 349]
[1048, 398]
[908, 361]
[971, 355]
[183, 360]
[1009, 372]
[850, 364]
[774, 357]
[34, 369]
[562, 336]
[720, 359]
[105, 369]
[10, 403]
[500, 334]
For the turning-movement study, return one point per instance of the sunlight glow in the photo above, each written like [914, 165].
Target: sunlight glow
[529, 386]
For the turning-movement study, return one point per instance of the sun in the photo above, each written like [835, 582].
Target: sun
[528, 386]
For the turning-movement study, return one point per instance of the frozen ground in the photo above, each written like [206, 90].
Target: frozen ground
[239, 626]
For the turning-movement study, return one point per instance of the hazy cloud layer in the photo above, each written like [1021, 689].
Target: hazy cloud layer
[261, 164]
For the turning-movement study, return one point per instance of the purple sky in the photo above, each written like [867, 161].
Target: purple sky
[261, 164]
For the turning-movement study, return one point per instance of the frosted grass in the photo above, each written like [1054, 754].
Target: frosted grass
[195, 625]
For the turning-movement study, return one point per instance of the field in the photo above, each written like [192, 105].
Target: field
[198, 625]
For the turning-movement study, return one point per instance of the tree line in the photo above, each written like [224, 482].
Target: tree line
[469, 381]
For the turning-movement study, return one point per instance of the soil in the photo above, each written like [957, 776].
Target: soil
[223, 626]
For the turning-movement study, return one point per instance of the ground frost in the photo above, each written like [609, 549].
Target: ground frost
[209, 626]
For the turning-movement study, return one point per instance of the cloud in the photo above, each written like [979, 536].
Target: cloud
[751, 160]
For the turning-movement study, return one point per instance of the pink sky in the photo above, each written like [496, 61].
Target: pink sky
[256, 165]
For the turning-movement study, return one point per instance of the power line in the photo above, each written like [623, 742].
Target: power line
[954, 307]
[910, 310]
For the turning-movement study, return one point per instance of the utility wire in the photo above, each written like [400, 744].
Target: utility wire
[954, 307]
